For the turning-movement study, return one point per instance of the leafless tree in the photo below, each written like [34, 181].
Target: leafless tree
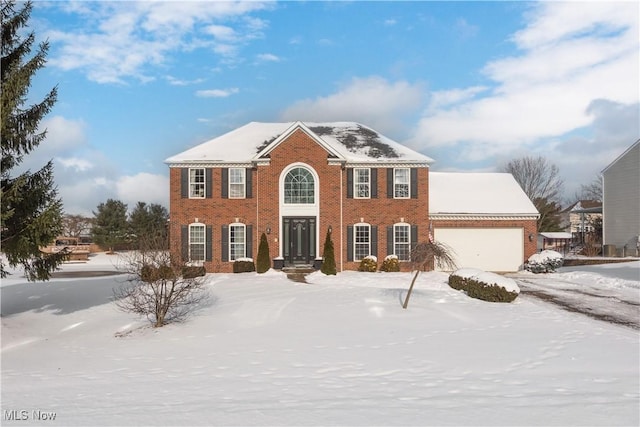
[541, 181]
[427, 255]
[75, 225]
[593, 190]
[159, 286]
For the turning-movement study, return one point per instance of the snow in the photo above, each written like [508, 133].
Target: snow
[243, 144]
[477, 193]
[339, 350]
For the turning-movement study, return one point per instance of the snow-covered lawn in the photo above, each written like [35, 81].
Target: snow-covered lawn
[337, 351]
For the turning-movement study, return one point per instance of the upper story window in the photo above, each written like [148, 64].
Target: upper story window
[237, 241]
[197, 243]
[237, 183]
[401, 183]
[196, 183]
[361, 241]
[402, 241]
[299, 187]
[362, 183]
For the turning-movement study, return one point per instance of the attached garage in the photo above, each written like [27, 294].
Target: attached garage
[489, 249]
[486, 219]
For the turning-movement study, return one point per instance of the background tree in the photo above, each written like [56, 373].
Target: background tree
[592, 191]
[541, 181]
[150, 222]
[76, 225]
[263, 262]
[549, 215]
[157, 286]
[328, 257]
[110, 224]
[427, 255]
[31, 214]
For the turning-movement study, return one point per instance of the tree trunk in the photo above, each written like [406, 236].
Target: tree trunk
[406, 300]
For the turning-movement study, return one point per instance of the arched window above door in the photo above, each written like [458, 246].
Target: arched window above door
[299, 187]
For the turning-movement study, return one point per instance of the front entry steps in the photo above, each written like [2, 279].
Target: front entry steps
[297, 273]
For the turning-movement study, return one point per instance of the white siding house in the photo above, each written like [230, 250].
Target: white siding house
[621, 201]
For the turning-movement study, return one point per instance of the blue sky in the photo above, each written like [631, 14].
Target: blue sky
[470, 84]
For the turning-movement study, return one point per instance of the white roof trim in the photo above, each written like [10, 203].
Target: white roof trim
[481, 217]
[298, 125]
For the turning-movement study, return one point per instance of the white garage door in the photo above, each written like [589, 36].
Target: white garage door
[489, 249]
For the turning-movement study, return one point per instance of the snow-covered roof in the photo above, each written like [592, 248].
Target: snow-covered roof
[556, 235]
[348, 141]
[477, 194]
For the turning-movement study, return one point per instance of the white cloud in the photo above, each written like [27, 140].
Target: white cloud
[217, 93]
[75, 163]
[268, 57]
[372, 101]
[123, 40]
[143, 187]
[570, 57]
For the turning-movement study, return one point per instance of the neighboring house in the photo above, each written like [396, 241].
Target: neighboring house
[296, 181]
[621, 201]
[486, 219]
[559, 241]
[578, 218]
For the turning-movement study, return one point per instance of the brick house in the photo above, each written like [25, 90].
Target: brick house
[294, 182]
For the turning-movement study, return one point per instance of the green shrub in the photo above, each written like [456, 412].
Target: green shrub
[484, 286]
[369, 264]
[191, 272]
[390, 264]
[328, 258]
[244, 265]
[264, 261]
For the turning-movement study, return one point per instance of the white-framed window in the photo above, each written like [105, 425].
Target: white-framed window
[401, 183]
[361, 241]
[237, 241]
[196, 183]
[402, 241]
[362, 183]
[299, 187]
[197, 241]
[237, 183]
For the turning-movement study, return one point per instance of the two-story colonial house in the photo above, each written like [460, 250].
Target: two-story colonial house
[294, 182]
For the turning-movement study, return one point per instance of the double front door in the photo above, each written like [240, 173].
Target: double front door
[299, 240]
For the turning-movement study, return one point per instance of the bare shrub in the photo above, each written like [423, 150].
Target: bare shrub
[158, 287]
[425, 256]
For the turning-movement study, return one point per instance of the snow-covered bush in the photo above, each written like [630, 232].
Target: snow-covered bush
[390, 263]
[545, 262]
[243, 265]
[484, 285]
[368, 263]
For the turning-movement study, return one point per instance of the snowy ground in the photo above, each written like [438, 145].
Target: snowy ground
[337, 351]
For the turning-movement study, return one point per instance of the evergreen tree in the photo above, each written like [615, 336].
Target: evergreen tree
[148, 223]
[110, 224]
[264, 260]
[31, 215]
[328, 258]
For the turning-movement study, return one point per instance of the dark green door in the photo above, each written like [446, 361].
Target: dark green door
[299, 243]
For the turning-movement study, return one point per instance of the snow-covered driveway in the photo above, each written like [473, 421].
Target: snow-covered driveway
[606, 292]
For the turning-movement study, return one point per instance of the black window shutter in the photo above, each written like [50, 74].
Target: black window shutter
[374, 241]
[390, 250]
[249, 183]
[249, 241]
[225, 183]
[225, 243]
[414, 183]
[390, 183]
[184, 242]
[414, 236]
[208, 183]
[350, 183]
[208, 243]
[184, 183]
[374, 183]
[349, 242]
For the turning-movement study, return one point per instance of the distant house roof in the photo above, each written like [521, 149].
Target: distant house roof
[556, 235]
[345, 141]
[592, 206]
[477, 194]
